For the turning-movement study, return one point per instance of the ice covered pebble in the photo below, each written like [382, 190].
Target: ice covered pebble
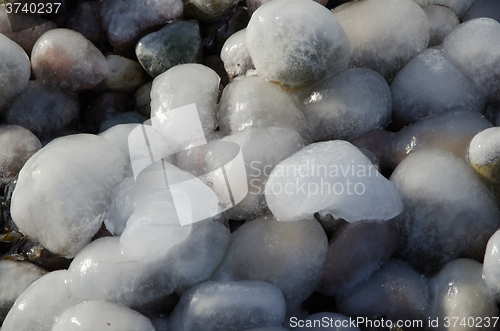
[15, 277]
[431, 84]
[127, 21]
[260, 158]
[66, 59]
[348, 104]
[484, 157]
[395, 290]
[43, 109]
[289, 255]
[296, 42]
[459, 294]
[355, 251]
[448, 212]
[491, 266]
[229, 306]
[64, 188]
[441, 20]
[17, 145]
[15, 69]
[101, 315]
[124, 75]
[101, 272]
[39, 305]
[384, 34]
[235, 55]
[252, 102]
[451, 131]
[332, 177]
[176, 43]
[483, 8]
[480, 60]
[180, 86]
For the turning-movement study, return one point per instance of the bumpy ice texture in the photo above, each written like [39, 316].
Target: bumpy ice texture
[63, 190]
[296, 42]
[332, 177]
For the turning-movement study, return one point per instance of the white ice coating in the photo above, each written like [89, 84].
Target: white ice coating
[180, 86]
[491, 265]
[101, 272]
[480, 58]
[459, 292]
[431, 84]
[295, 42]
[15, 277]
[101, 315]
[213, 306]
[442, 21]
[15, 68]
[262, 149]
[235, 55]
[348, 104]
[485, 147]
[252, 102]
[332, 177]
[63, 190]
[384, 34]
[37, 308]
[289, 255]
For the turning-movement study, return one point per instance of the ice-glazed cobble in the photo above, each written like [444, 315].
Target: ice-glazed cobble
[250, 165]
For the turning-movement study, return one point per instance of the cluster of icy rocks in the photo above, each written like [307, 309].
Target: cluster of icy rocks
[350, 168]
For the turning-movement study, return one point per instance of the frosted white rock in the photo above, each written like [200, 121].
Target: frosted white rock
[348, 104]
[252, 102]
[63, 190]
[15, 68]
[15, 277]
[480, 59]
[17, 145]
[442, 21]
[101, 272]
[332, 177]
[459, 291]
[430, 84]
[180, 86]
[235, 55]
[66, 59]
[296, 42]
[448, 211]
[119, 136]
[37, 308]
[458, 6]
[260, 157]
[484, 147]
[384, 34]
[491, 265]
[196, 259]
[394, 290]
[229, 306]
[289, 255]
[101, 315]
